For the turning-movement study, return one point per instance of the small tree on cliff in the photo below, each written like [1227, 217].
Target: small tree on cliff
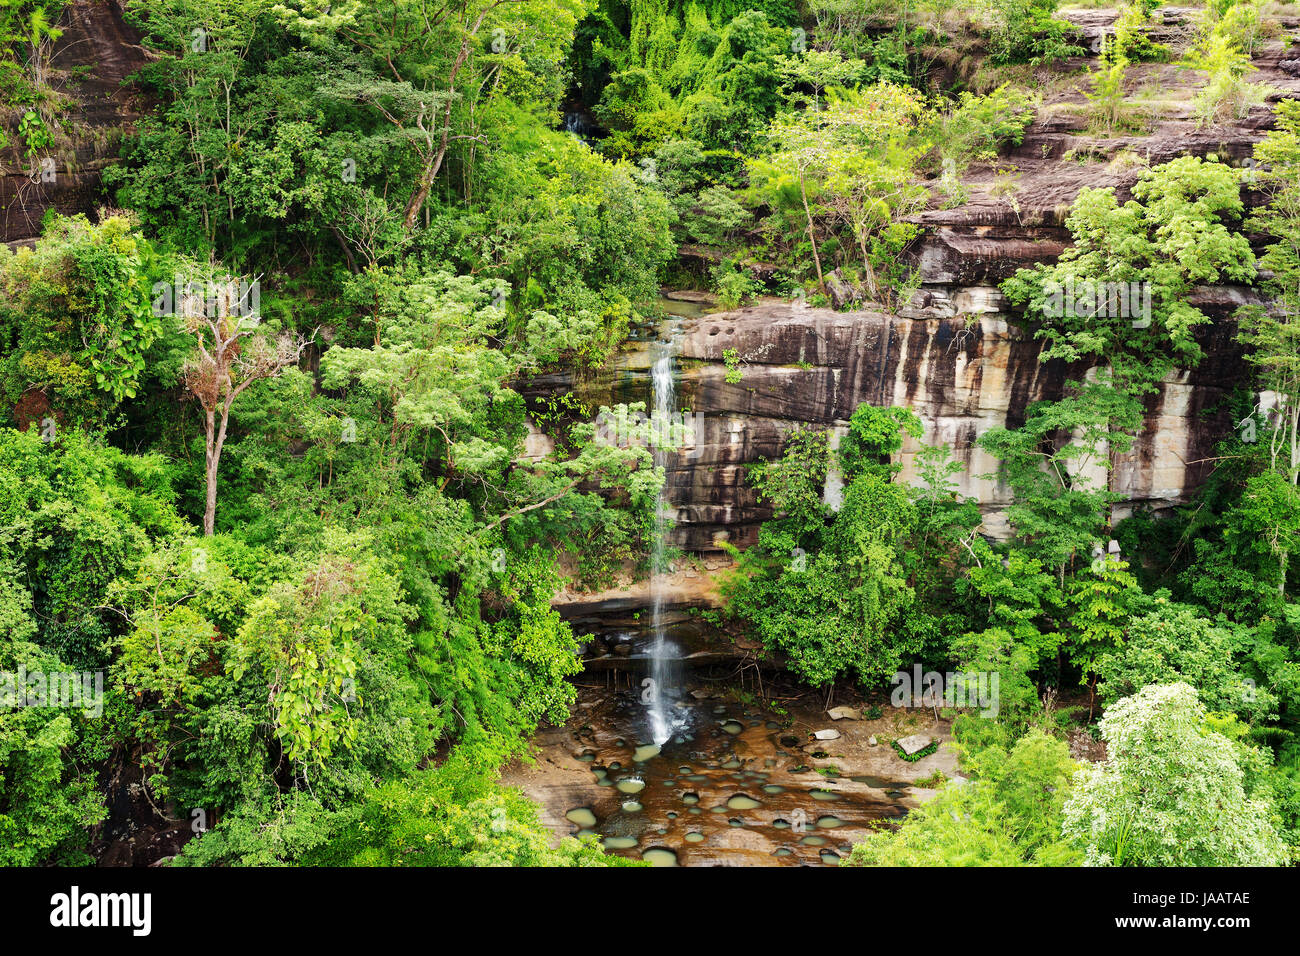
[1120, 298]
[1274, 333]
[1119, 304]
[851, 164]
[230, 355]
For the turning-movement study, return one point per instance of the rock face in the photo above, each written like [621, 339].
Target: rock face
[954, 353]
[67, 176]
[809, 367]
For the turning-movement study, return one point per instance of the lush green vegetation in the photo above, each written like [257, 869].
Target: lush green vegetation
[263, 420]
[1191, 623]
[1194, 635]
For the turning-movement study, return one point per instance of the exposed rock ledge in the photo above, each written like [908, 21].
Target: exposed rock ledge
[803, 366]
[691, 585]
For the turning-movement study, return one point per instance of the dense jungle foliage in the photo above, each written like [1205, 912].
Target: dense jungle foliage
[263, 419]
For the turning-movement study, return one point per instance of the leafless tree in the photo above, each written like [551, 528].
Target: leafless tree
[232, 353]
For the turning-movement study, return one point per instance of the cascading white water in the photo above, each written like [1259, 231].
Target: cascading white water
[661, 651]
[579, 125]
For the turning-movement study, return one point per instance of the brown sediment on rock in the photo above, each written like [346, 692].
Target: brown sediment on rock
[811, 367]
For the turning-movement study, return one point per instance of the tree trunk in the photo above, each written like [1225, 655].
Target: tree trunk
[215, 438]
[869, 274]
[812, 236]
[432, 167]
[422, 188]
[210, 473]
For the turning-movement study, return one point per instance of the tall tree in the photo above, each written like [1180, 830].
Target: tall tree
[231, 353]
[1171, 793]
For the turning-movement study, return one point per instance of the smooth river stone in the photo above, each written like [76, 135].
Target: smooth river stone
[582, 816]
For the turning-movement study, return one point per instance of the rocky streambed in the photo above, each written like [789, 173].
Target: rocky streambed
[746, 781]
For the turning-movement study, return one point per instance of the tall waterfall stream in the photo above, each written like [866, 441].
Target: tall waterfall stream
[660, 691]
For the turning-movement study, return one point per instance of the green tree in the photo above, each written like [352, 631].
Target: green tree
[1058, 509]
[1176, 642]
[874, 436]
[78, 308]
[1171, 792]
[1025, 31]
[853, 163]
[47, 797]
[843, 610]
[1273, 333]
[1116, 303]
[1100, 599]
[1009, 815]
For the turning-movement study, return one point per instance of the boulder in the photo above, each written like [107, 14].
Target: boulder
[914, 744]
[842, 293]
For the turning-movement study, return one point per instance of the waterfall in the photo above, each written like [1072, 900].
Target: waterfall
[580, 125]
[662, 652]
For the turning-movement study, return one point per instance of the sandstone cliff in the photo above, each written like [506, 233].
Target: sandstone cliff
[96, 53]
[954, 353]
